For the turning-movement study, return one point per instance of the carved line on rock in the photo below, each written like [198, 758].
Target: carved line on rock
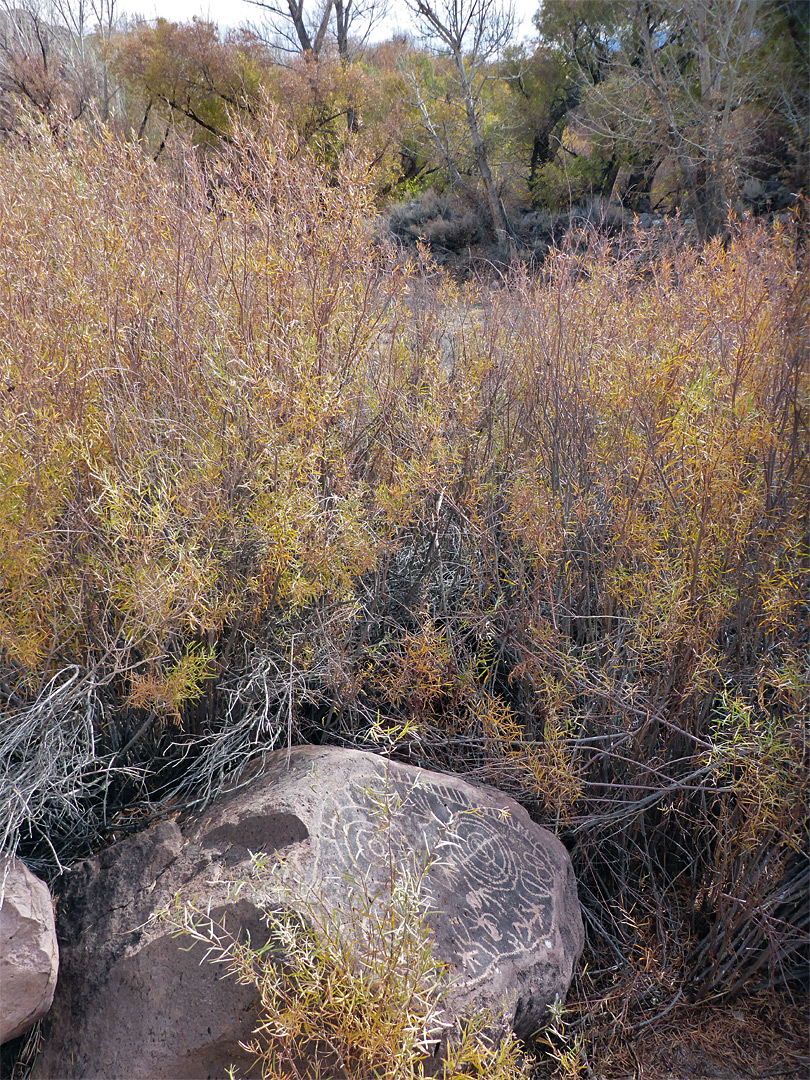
[491, 885]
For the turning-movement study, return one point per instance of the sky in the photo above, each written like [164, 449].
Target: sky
[236, 12]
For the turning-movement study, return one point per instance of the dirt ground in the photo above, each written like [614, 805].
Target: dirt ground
[748, 1039]
[756, 1038]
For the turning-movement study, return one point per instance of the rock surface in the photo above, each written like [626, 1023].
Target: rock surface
[29, 955]
[131, 1004]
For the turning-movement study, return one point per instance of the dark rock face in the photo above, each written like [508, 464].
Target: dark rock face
[29, 955]
[502, 887]
[131, 1004]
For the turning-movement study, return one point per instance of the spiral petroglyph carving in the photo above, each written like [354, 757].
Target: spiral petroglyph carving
[487, 878]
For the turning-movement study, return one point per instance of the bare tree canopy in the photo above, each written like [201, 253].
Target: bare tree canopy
[308, 26]
[50, 56]
[298, 29]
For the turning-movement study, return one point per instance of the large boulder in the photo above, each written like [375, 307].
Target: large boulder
[505, 914]
[29, 955]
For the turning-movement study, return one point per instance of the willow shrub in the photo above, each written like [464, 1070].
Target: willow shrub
[263, 483]
[184, 361]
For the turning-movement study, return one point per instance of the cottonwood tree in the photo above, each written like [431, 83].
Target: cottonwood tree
[693, 82]
[543, 92]
[586, 33]
[581, 39]
[354, 22]
[474, 34]
[307, 28]
[297, 26]
[189, 74]
[698, 92]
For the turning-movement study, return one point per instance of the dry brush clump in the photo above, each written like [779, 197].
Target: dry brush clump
[261, 483]
[183, 374]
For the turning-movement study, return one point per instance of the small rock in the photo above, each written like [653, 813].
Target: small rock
[753, 190]
[29, 954]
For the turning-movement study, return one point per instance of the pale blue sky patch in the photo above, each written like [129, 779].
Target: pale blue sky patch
[232, 13]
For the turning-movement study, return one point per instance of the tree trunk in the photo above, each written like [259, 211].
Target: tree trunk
[638, 190]
[342, 12]
[342, 21]
[540, 148]
[541, 143]
[307, 43]
[708, 203]
[495, 205]
[482, 159]
[611, 171]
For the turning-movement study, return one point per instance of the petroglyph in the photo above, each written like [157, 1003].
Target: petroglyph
[487, 878]
[502, 902]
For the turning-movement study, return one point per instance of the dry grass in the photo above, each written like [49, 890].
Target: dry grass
[752, 1039]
